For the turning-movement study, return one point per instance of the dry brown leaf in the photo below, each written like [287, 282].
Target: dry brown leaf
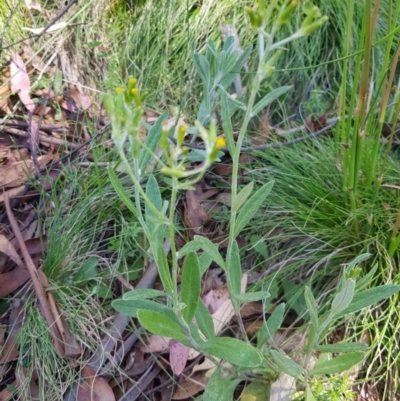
[13, 175]
[225, 198]
[94, 387]
[12, 280]
[178, 356]
[190, 386]
[7, 248]
[13, 192]
[195, 216]
[80, 99]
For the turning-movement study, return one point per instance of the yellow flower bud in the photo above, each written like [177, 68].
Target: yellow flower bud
[132, 81]
[181, 135]
[220, 142]
[120, 90]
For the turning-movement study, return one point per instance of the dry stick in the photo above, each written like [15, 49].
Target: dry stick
[50, 128]
[40, 293]
[42, 138]
[136, 391]
[120, 322]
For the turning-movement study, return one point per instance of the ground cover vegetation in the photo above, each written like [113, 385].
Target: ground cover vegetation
[200, 214]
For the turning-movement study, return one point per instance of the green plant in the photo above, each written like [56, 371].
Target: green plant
[176, 319]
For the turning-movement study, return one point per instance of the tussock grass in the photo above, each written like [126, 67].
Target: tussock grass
[310, 233]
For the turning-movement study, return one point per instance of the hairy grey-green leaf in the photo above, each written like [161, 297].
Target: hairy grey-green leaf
[250, 208]
[340, 364]
[287, 365]
[190, 286]
[235, 351]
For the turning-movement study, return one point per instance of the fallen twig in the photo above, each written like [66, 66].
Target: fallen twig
[37, 285]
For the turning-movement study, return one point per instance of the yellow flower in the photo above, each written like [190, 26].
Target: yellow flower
[135, 91]
[119, 90]
[132, 81]
[220, 142]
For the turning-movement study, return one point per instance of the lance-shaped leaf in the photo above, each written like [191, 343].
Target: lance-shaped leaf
[190, 286]
[337, 365]
[235, 351]
[251, 207]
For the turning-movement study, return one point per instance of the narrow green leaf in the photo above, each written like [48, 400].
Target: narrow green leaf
[204, 320]
[211, 249]
[237, 352]
[152, 220]
[286, 365]
[342, 347]
[364, 281]
[131, 306]
[151, 142]
[219, 388]
[242, 196]
[143, 293]
[358, 260]
[205, 261]
[191, 246]
[160, 324]
[342, 300]
[312, 340]
[227, 123]
[312, 306]
[269, 98]
[119, 189]
[234, 271]
[251, 207]
[252, 296]
[369, 297]
[337, 365]
[202, 67]
[163, 269]
[271, 326]
[190, 286]
[241, 60]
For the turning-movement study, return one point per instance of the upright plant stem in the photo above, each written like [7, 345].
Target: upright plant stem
[171, 232]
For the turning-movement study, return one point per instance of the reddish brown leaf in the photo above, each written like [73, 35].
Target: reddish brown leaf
[94, 387]
[12, 280]
[80, 99]
[178, 356]
[7, 248]
[195, 216]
